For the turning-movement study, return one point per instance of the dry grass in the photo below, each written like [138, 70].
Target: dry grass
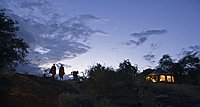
[30, 91]
[180, 89]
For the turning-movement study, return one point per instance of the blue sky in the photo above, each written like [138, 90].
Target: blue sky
[80, 33]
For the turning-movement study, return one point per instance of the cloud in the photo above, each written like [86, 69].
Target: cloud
[154, 46]
[29, 69]
[87, 18]
[100, 33]
[195, 49]
[149, 32]
[140, 38]
[149, 57]
[52, 34]
[64, 65]
[37, 10]
[130, 42]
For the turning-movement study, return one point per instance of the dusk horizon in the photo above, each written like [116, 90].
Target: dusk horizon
[100, 53]
[79, 34]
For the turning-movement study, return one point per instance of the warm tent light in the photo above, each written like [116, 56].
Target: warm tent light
[162, 77]
[153, 80]
[172, 78]
[169, 78]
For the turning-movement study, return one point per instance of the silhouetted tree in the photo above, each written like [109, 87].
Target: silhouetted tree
[177, 72]
[13, 49]
[101, 78]
[147, 71]
[189, 67]
[127, 73]
[185, 69]
[127, 68]
[166, 63]
[106, 83]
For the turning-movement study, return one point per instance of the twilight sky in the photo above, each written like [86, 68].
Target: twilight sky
[80, 33]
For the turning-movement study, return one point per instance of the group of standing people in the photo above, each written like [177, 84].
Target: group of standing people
[61, 71]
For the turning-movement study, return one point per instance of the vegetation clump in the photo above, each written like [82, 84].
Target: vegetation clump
[13, 49]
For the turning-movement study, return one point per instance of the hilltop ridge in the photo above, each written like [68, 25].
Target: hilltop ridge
[19, 90]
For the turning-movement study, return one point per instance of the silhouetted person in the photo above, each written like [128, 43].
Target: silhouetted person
[53, 70]
[61, 72]
[75, 75]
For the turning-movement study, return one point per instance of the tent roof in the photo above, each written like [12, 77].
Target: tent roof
[160, 73]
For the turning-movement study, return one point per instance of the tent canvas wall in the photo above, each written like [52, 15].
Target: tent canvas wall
[160, 77]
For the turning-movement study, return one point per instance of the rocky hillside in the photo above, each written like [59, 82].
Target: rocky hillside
[17, 90]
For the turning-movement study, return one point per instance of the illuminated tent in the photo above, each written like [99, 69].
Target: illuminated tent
[160, 77]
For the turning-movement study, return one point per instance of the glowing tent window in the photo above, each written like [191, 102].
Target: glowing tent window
[148, 78]
[154, 78]
[162, 77]
[172, 78]
[169, 79]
